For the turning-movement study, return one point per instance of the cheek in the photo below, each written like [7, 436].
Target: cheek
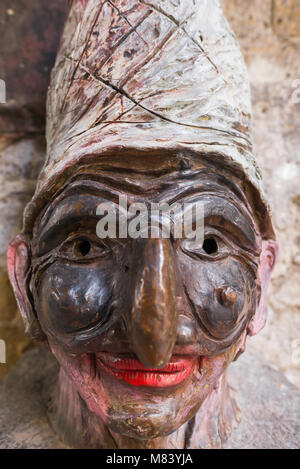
[207, 281]
[70, 298]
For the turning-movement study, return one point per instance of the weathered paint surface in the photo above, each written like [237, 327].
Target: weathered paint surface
[149, 100]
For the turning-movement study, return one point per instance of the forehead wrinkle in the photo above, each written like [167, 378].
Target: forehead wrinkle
[111, 186]
[210, 186]
[133, 181]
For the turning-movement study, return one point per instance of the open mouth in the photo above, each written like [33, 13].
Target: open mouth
[135, 373]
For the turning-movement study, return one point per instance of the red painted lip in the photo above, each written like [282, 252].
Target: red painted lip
[134, 372]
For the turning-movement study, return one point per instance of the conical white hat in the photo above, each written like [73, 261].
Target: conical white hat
[147, 74]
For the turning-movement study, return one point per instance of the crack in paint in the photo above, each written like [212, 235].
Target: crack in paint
[125, 19]
[119, 90]
[179, 26]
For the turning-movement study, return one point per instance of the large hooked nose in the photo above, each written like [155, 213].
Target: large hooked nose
[153, 312]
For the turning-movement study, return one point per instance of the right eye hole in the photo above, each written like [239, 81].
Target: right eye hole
[210, 246]
[81, 248]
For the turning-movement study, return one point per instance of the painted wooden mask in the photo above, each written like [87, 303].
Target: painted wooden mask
[149, 101]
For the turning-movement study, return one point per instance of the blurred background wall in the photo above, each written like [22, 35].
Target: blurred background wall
[269, 34]
[29, 36]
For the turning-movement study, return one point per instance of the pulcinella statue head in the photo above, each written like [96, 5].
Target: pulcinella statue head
[149, 101]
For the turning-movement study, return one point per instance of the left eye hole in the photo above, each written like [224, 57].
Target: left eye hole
[83, 249]
[211, 248]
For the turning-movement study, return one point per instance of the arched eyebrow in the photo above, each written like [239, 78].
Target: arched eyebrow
[233, 221]
[227, 214]
[69, 210]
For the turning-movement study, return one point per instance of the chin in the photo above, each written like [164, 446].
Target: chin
[134, 402]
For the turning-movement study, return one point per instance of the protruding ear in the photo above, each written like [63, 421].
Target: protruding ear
[267, 262]
[18, 265]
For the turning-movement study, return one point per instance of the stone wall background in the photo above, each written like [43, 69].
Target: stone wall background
[29, 31]
[20, 164]
[269, 34]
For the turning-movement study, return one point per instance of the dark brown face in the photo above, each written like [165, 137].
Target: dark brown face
[145, 327]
